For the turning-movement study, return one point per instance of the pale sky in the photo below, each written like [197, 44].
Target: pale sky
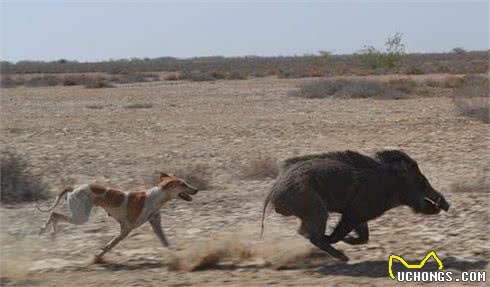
[99, 30]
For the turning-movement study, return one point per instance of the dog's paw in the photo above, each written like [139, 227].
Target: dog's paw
[97, 260]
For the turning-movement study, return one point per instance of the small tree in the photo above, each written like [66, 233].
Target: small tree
[390, 58]
[459, 50]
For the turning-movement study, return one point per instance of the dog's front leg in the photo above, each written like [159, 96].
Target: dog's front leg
[123, 233]
[156, 224]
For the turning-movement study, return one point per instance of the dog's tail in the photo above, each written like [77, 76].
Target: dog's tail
[266, 203]
[58, 198]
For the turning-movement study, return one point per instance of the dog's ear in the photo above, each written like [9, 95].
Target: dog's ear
[164, 175]
[171, 184]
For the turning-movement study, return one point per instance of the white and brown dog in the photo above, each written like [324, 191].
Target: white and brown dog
[130, 209]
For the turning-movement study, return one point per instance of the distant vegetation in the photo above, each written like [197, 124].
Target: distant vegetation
[469, 93]
[92, 81]
[369, 61]
[472, 99]
[358, 88]
[391, 60]
[459, 50]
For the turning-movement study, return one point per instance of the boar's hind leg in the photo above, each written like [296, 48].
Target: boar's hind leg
[362, 235]
[313, 224]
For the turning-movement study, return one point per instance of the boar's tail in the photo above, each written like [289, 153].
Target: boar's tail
[266, 203]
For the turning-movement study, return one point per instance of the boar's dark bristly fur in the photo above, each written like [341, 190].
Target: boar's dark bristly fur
[359, 187]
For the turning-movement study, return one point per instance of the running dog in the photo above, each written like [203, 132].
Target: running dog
[130, 209]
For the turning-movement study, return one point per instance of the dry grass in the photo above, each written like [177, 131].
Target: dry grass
[355, 88]
[87, 80]
[18, 184]
[97, 83]
[200, 76]
[138, 106]
[449, 82]
[95, 106]
[260, 168]
[472, 98]
[172, 77]
[198, 175]
[253, 66]
[135, 78]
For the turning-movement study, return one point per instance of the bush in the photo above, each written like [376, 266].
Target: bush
[472, 99]
[139, 106]
[197, 175]
[97, 83]
[198, 76]
[260, 168]
[448, 82]
[43, 81]
[76, 80]
[372, 58]
[95, 106]
[351, 88]
[235, 76]
[135, 78]
[412, 70]
[172, 77]
[18, 184]
[407, 86]
[9, 82]
[459, 50]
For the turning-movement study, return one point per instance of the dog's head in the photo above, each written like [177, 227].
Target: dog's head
[176, 187]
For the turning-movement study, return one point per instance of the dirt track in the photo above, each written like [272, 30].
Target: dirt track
[225, 125]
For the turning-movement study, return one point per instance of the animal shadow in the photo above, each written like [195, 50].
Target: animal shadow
[379, 268]
[140, 264]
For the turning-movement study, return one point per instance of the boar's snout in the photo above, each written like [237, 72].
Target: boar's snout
[436, 202]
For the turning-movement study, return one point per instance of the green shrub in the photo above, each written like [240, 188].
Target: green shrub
[372, 58]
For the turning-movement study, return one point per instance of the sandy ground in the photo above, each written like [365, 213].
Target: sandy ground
[90, 135]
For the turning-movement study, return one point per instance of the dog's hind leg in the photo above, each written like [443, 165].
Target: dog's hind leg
[48, 222]
[157, 228]
[114, 241]
[55, 217]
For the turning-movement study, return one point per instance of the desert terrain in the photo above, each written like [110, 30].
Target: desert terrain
[122, 136]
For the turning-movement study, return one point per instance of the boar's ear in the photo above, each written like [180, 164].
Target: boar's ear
[396, 159]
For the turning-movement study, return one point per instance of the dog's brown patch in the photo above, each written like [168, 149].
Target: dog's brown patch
[97, 189]
[136, 202]
[114, 198]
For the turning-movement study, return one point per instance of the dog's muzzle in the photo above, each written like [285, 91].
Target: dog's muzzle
[185, 196]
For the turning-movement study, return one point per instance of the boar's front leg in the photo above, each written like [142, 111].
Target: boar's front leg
[344, 227]
[362, 232]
